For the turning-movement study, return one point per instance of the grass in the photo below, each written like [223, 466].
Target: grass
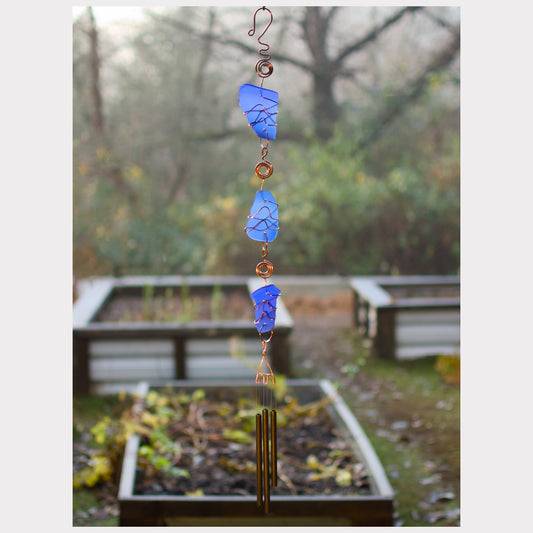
[412, 418]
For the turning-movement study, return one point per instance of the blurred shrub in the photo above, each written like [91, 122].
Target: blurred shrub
[116, 235]
[335, 217]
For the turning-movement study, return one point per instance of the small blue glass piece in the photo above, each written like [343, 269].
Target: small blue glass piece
[265, 299]
[263, 222]
[260, 107]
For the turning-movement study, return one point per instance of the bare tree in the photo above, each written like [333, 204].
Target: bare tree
[108, 166]
[412, 90]
[93, 75]
[325, 69]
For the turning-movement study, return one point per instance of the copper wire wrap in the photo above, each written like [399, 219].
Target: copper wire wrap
[264, 169]
[265, 376]
[264, 269]
[267, 172]
[263, 67]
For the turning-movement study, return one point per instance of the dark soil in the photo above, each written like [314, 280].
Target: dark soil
[313, 458]
[173, 306]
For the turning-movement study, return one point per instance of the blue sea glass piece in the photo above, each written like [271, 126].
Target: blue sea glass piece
[263, 222]
[260, 107]
[265, 299]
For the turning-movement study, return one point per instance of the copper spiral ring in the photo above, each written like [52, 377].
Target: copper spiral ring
[264, 68]
[264, 169]
[264, 269]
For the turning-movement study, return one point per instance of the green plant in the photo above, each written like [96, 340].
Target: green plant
[148, 302]
[110, 433]
[217, 300]
[168, 304]
[189, 306]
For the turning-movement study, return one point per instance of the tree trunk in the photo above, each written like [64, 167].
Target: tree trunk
[111, 168]
[325, 110]
[97, 117]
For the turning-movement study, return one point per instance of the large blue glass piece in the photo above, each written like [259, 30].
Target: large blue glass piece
[260, 107]
[265, 299]
[263, 222]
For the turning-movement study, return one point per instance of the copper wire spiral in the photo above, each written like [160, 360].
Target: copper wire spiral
[264, 269]
[263, 67]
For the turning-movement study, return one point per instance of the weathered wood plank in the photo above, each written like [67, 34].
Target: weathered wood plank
[385, 339]
[425, 303]
[240, 345]
[415, 334]
[132, 360]
[414, 280]
[434, 316]
[365, 449]
[80, 365]
[414, 352]
[370, 290]
[129, 348]
[179, 354]
[131, 369]
[219, 367]
[144, 330]
[91, 300]
[178, 281]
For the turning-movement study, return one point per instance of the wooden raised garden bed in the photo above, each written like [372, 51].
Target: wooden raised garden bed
[409, 316]
[169, 327]
[366, 500]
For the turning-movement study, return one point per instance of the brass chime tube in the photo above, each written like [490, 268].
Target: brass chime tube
[274, 447]
[266, 461]
[259, 459]
[266, 443]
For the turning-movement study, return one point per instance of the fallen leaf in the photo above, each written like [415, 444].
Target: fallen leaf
[450, 514]
[435, 497]
[435, 478]
[399, 424]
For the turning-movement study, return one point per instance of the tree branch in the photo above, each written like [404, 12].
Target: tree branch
[227, 41]
[97, 117]
[413, 91]
[373, 34]
[440, 21]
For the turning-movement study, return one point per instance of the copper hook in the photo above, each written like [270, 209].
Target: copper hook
[252, 31]
[263, 67]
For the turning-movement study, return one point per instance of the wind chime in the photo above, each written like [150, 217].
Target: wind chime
[260, 107]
